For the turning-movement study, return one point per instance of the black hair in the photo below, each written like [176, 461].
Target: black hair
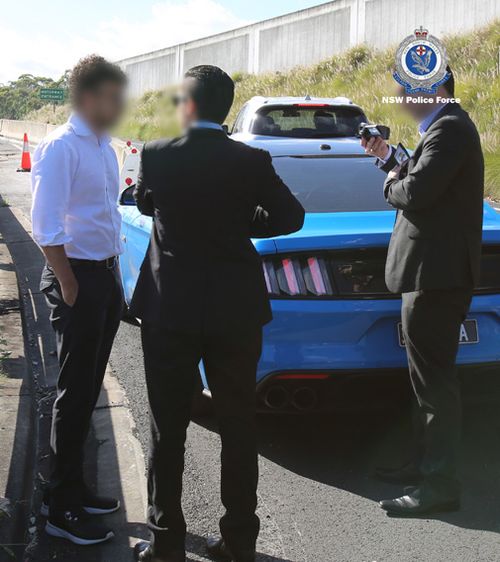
[449, 85]
[212, 90]
[91, 72]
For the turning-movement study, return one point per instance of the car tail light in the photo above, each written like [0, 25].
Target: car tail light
[311, 105]
[316, 276]
[352, 274]
[327, 274]
[297, 276]
[129, 181]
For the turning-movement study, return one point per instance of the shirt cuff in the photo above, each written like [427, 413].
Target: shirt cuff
[59, 238]
[382, 161]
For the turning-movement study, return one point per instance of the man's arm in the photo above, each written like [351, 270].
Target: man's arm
[279, 212]
[51, 180]
[142, 193]
[442, 155]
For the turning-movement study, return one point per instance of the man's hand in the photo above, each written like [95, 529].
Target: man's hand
[394, 174]
[57, 259]
[376, 146]
[69, 289]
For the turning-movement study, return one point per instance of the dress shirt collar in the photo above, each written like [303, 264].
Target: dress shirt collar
[429, 120]
[206, 125]
[80, 127]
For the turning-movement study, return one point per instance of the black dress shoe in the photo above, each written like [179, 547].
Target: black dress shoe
[407, 474]
[419, 501]
[218, 549]
[144, 553]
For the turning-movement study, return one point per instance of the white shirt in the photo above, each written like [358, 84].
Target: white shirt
[75, 185]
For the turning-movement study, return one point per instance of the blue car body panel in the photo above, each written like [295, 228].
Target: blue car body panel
[337, 334]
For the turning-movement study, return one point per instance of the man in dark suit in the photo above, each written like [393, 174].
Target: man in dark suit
[201, 295]
[433, 260]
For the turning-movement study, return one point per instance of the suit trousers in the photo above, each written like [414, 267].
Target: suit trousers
[431, 327]
[84, 335]
[172, 375]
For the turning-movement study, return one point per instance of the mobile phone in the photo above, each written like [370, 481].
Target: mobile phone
[401, 155]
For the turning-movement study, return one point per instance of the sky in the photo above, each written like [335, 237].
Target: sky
[47, 37]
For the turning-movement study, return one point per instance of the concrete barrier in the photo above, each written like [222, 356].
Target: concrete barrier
[16, 129]
[307, 37]
[38, 131]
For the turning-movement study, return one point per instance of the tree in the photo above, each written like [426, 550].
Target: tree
[21, 96]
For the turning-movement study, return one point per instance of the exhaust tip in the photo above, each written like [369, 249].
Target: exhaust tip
[276, 398]
[305, 399]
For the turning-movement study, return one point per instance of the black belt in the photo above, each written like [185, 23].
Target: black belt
[108, 263]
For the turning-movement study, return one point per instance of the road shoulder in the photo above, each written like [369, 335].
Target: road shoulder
[16, 415]
[114, 462]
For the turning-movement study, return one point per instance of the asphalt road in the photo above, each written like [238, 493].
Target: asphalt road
[317, 500]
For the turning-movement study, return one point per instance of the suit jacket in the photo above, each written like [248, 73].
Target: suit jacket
[436, 242]
[208, 195]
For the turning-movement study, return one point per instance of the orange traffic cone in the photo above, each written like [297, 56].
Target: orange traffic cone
[26, 158]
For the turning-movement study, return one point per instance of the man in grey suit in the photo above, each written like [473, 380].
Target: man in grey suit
[433, 261]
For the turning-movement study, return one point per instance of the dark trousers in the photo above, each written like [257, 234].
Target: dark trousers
[431, 327]
[172, 375]
[84, 336]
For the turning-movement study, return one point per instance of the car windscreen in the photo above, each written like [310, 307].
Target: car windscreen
[307, 121]
[334, 184]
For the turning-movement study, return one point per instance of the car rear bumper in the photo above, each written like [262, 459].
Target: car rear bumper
[351, 349]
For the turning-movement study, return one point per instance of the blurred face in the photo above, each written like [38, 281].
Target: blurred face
[103, 107]
[186, 107]
[419, 106]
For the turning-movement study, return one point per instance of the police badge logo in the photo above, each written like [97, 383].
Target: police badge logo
[421, 63]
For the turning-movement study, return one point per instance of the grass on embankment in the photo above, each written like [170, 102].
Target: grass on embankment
[364, 76]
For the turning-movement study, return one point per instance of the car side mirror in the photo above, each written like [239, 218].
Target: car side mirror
[127, 198]
[225, 128]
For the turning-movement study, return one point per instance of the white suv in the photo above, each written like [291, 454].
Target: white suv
[300, 118]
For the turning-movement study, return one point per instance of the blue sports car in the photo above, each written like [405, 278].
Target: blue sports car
[336, 326]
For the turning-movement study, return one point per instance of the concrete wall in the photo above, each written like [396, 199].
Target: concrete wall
[304, 41]
[309, 36]
[440, 17]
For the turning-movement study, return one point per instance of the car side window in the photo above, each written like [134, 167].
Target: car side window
[238, 124]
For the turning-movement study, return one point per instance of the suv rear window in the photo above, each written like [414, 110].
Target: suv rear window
[308, 121]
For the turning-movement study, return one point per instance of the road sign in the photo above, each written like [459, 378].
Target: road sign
[52, 94]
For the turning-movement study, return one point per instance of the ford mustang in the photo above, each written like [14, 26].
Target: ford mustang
[336, 326]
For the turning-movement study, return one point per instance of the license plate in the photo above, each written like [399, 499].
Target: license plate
[469, 333]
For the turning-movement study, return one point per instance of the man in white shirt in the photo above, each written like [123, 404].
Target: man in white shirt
[75, 183]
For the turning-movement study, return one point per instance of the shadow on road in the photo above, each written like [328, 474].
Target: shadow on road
[343, 450]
